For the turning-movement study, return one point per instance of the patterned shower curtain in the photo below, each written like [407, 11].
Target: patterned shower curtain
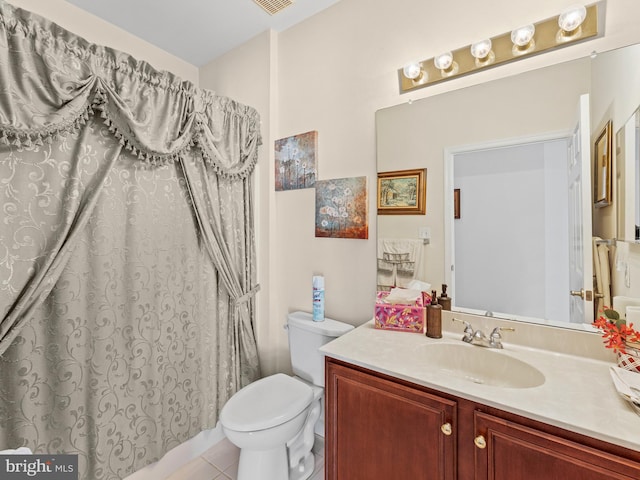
[127, 258]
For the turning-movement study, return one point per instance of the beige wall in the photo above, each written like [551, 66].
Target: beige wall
[96, 30]
[332, 73]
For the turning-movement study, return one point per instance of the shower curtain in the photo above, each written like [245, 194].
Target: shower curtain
[127, 257]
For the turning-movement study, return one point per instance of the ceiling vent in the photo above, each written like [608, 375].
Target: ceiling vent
[273, 6]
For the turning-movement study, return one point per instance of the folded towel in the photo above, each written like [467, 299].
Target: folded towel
[406, 256]
[627, 383]
[602, 273]
[605, 271]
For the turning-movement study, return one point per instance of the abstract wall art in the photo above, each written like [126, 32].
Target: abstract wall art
[341, 208]
[296, 160]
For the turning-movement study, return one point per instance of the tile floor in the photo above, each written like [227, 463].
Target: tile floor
[220, 462]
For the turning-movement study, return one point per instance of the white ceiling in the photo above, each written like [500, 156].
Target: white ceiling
[198, 31]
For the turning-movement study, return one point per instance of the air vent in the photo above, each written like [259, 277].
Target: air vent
[273, 6]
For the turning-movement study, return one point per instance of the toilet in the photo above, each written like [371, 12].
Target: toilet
[274, 420]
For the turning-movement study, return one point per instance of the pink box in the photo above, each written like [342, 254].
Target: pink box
[405, 318]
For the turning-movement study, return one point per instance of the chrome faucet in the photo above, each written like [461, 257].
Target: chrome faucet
[478, 337]
[495, 339]
[468, 330]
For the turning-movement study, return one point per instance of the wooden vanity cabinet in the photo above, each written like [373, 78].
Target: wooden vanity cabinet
[507, 451]
[381, 428]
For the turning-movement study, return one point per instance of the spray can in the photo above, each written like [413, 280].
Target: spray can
[318, 298]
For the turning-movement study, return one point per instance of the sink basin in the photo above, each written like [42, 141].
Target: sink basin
[482, 365]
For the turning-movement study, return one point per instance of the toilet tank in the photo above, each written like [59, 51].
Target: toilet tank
[305, 338]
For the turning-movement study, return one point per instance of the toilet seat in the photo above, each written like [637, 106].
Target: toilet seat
[317, 391]
[266, 403]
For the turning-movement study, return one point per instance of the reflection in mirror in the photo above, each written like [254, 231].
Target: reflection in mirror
[628, 161]
[527, 185]
[508, 244]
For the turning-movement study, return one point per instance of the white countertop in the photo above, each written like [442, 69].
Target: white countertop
[577, 395]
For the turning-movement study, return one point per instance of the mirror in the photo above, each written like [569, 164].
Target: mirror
[533, 108]
[628, 179]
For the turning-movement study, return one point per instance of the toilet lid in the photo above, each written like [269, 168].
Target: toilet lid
[266, 403]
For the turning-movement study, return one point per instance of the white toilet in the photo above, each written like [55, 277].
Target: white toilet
[274, 419]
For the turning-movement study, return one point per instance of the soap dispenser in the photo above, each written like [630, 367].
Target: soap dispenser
[434, 317]
[444, 300]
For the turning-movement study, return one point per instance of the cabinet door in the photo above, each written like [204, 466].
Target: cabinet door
[378, 429]
[508, 451]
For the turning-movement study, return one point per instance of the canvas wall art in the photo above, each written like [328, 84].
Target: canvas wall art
[296, 161]
[341, 208]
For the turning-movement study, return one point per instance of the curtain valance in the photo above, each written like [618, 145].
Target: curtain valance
[51, 80]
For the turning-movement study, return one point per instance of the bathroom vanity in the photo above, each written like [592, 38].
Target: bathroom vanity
[394, 409]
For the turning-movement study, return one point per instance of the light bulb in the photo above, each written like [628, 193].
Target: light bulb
[571, 18]
[523, 35]
[443, 61]
[412, 71]
[481, 49]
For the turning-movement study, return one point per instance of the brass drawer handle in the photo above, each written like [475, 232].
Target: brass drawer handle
[446, 429]
[480, 442]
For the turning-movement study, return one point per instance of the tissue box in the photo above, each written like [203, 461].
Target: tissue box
[406, 318]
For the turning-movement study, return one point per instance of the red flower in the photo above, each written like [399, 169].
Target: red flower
[616, 334]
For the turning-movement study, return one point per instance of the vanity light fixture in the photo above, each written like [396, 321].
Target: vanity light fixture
[481, 50]
[444, 61]
[572, 25]
[570, 19]
[413, 71]
[521, 37]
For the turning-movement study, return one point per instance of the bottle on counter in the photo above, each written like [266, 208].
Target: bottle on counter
[434, 317]
[444, 300]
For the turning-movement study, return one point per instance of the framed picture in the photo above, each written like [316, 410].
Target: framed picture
[456, 203]
[602, 181]
[296, 161]
[403, 192]
[341, 208]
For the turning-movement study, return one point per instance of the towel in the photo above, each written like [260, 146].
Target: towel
[17, 451]
[605, 272]
[602, 273]
[627, 383]
[399, 273]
